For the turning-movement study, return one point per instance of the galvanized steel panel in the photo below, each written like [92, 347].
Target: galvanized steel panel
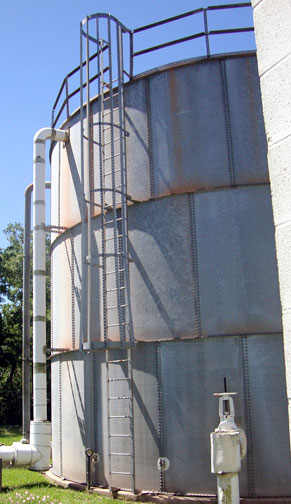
[62, 306]
[146, 429]
[137, 141]
[248, 138]
[269, 416]
[188, 129]
[56, 414]
[67, 280]
[191, 373]
[73, 415]
[161, 271]
[66, 178]
[238, 280]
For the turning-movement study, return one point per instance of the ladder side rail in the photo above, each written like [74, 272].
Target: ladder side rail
[113, 177]
[100, 68]
[83, 207]
[109, 450]
[124, 220]
[123, 238]
[113, 196]
[88, 194]
[131, 419]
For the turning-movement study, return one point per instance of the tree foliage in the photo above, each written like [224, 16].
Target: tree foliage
[11, 266]
[11, 326]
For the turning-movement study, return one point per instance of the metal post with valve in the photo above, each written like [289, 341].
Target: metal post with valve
[228, 448]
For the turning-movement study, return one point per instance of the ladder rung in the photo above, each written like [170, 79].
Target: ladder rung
[113, 237]
[121, 454]
[120, 435]
[112, 221]
[114, 140]
[118, 379]
[110, 157]
[119, 416]
[117, 360]
[121, 473]
[113, 398]
[115, 289]
[111, 273]
[116, 325]
[116, 306]
[110, 173]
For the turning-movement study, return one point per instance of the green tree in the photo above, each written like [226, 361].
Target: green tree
[11, 266]
[11, 326]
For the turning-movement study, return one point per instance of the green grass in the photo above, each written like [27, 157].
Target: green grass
[22, 486]
[9, 434]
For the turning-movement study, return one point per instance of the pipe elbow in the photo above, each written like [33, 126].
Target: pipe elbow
[44, 134]
[28, 190]
[20, 454]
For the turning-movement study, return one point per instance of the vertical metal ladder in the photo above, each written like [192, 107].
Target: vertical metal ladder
[111, 197]
[120, 419]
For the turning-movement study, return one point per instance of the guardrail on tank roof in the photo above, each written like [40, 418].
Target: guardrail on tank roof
[61, 108]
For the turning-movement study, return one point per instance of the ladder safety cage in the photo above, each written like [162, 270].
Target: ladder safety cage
[104, 139]
[61, 107]
[103, 146]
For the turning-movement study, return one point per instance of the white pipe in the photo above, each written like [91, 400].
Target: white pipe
[228, 488]
[20, 454]
[37, 453]
[39, 271]
[228, 448]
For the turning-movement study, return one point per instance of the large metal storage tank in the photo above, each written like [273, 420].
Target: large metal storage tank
[201, 296]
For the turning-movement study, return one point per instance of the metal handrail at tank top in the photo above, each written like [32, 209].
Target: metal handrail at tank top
[61, 104]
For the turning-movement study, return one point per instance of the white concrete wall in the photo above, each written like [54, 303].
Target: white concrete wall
[273, 37]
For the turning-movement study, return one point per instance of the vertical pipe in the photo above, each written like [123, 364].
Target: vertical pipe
[26, 314]
[39, 280]
[26, 317]
[39, 272]
[228, 488]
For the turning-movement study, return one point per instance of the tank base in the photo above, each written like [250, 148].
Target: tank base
[158, 498]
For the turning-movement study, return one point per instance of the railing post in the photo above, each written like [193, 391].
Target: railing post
[131, 54]
[206, 32]
[67, 98]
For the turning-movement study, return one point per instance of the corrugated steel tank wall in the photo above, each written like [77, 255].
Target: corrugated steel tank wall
[203, 284]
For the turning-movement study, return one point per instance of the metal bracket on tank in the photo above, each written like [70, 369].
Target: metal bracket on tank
[163, 464]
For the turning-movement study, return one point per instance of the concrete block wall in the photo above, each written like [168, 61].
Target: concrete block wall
[273, 37]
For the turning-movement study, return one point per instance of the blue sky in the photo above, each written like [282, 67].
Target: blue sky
[40, 45]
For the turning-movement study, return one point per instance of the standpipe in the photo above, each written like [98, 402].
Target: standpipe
[36, 454]
[40, 430]
[26, 314]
